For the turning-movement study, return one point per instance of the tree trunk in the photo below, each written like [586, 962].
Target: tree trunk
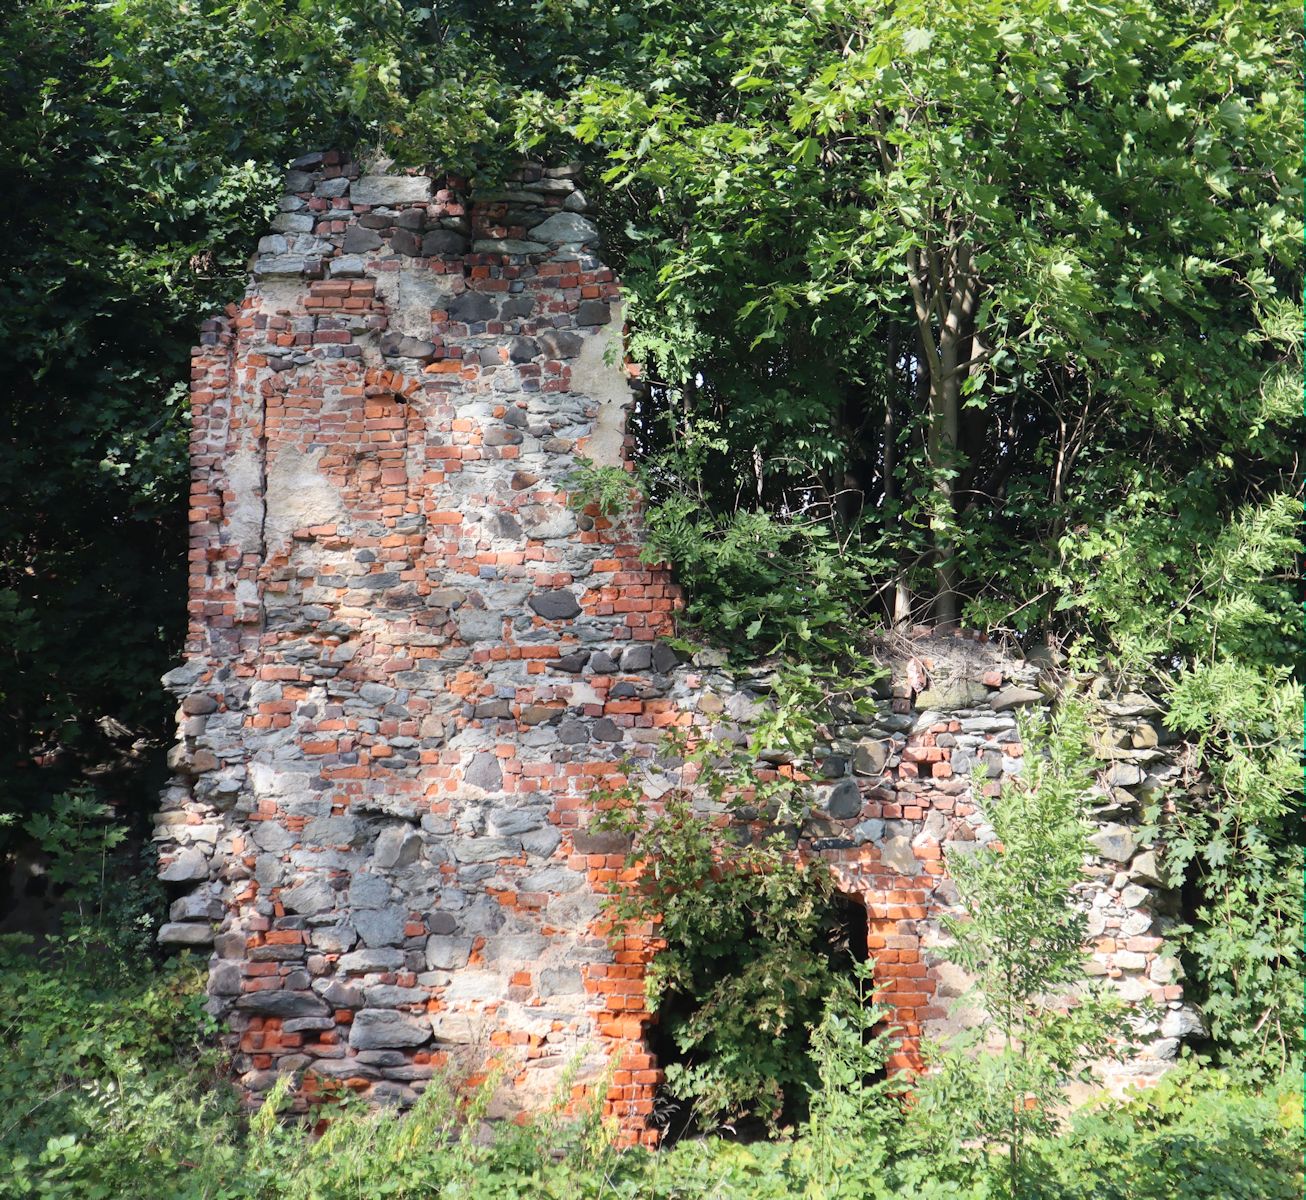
[945, 293]
[901, 592]
[945, 404]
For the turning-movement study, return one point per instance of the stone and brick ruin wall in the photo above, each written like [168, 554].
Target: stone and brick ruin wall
[410, 662]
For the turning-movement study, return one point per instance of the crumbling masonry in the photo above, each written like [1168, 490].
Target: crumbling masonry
[410, 661]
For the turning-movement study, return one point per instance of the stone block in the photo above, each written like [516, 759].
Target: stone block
[566, 227]
[309, 898]
[378, 1028]
[1016, 697]
[559, 605]
[369, 891]
[188, 933]
[380, 958]
[1113, 842]
[282, 1004]
[391, 189]
[396, 847]
[380, 926]
[484, 772]
[560, 981]
[844, 800]
[447, 953]
[190, 865]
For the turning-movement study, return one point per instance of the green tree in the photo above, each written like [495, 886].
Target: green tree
[1007, 297]
[1022, 940]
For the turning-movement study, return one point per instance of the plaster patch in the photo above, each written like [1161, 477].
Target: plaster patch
[298, 495]
[605, 383]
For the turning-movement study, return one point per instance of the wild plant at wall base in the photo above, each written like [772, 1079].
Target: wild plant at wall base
[1022, 940]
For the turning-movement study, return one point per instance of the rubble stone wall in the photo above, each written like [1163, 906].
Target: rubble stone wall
[410, 661]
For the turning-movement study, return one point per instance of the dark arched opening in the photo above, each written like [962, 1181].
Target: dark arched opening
[840, 940]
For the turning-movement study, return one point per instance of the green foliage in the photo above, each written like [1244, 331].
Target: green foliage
[107, 1113]
[1241, 845]
[853, 1103]
[610, 489]
[763, 582]
[1094, 210]
[1192, 1136]
[982, 300]
[76, 837]
[747, 969]
[1022, 939]
[104, 1096]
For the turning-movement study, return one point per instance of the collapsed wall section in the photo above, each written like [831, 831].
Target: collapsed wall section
[410, 661]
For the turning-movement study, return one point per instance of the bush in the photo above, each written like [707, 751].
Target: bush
[103, 1097]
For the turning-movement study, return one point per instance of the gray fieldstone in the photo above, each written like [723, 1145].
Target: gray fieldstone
[280, 266]
[505, 822]
[189, 933]
[870, 756]
[442, 922]
[1113, 842]
[190, 865]
[272, 836]
[485, 849]
[507, 246]
[378, 1028]
[1144, 868]
[947, 695]
[347, 266]
[293, 223]
[870, 830]
[443, 243]
[282, 1004]
[457, 1029]
[844, 800]
[334, 939]
[387, 995]
[560, 981]
[447, 953]
[1124, 775]
[330, 831]
[559, 344]
[1016, 697]
[637, 658]
[391, 189]
[361, 240]
[405, 241]
[315, 896]
[398, 846]
[380, 958]
[368, 891]
[471, 307]
[381, 926]
[558, 605]
[1181, 1023]
[593, 312]
[484, 772]
[225, 978]
[340, 995]
[896, 854]
[566, 227]
[198, 906]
